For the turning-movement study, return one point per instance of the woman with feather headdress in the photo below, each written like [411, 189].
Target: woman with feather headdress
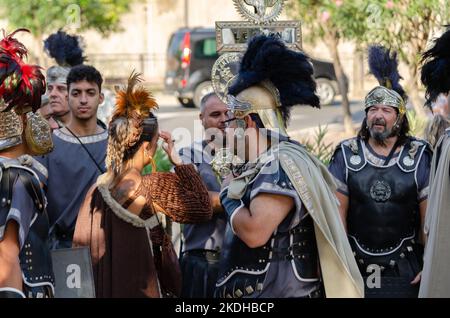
[120, 218]
[382, 177]
[436, 78]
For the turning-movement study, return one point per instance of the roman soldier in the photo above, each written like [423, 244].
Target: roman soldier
[382, 177]
[284, 238]
[435, 276]
[25, 262]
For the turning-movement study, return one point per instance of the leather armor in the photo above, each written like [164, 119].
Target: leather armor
[35, 259]
[383, 219]
[243, 269]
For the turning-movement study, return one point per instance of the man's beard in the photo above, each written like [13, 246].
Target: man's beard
[380, 137]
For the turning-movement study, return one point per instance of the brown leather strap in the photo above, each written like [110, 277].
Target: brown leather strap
[130, 200]
[132, 197]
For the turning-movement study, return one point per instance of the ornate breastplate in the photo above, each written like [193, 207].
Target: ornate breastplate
[383, 205]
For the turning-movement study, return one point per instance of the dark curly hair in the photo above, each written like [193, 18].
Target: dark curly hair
[84, 73]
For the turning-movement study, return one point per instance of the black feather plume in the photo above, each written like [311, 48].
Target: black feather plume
[65, 49]
[436, 68]
[268, 58]
[383, 65]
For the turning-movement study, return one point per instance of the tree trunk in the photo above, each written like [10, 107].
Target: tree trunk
[412, 87]
[332, 42]
[358, 72]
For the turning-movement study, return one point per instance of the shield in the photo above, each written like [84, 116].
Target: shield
[72, 268]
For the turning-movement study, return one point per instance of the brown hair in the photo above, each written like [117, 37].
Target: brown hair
[124, 141]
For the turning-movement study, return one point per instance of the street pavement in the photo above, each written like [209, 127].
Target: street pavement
[185, 125]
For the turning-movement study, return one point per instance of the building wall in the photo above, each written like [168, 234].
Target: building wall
[146, 30]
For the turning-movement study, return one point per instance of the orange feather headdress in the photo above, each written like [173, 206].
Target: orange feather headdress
[133, 103]
[134, 100]
[133, 110]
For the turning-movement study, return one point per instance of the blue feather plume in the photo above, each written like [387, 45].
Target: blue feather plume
[383, 65]
[268, 58]
[435, 73]
[65, 49]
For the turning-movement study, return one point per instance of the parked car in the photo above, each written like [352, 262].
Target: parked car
[191, 55]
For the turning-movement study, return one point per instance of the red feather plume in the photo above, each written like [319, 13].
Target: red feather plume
[21, 84]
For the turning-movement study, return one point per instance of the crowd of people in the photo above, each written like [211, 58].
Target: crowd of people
[274, 222]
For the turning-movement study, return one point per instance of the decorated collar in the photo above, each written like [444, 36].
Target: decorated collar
[85, 139]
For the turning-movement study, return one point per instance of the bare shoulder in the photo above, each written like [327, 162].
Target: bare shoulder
[127, 186]
[133, 174]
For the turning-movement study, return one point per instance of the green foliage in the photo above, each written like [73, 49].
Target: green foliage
[407, 25]
[318, 147]
[402, 25]
[343, 19]
[163, 163]
[399, 24]
[46, 16]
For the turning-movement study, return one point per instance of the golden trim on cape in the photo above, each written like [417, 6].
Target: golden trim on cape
[298, 180]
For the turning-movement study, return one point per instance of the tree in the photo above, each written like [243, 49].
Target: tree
[332, 21]
[42, 17]
[406, 26]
